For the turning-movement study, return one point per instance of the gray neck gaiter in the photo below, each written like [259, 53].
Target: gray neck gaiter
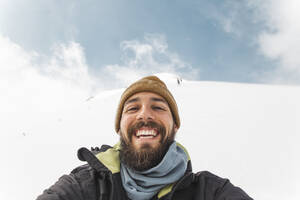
[143, 185]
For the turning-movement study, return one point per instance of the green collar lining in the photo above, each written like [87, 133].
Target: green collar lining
[110, 158]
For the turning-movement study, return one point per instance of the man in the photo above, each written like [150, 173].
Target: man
[147, 163]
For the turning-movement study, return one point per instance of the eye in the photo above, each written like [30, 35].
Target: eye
[131, 109]
[158, 108]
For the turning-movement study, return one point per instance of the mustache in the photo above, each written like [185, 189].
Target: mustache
[150, 124]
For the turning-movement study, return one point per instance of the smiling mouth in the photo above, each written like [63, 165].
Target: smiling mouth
[146, 133]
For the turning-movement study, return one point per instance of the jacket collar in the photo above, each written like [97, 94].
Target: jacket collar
[110, 161]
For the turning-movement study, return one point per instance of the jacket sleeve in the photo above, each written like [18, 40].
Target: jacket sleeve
[217, 188]
[66, 188]
[79, 185]
[230, 192]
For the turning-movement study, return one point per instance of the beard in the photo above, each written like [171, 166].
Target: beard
[146, 156]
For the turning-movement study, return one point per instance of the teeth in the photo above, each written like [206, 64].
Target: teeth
[146, 133]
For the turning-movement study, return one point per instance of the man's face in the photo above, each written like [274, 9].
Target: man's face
[145, 107]
[146, 126]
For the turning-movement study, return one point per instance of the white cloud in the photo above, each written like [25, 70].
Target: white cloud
[149, 56]
[32, 85]
[230, 15]
[68, 64]
[273, 26]
[281, 41]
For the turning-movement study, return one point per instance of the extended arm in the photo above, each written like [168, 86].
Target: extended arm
[231, 192]
[79, 185]
[66, 188]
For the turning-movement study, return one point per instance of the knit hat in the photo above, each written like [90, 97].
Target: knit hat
[148, 84]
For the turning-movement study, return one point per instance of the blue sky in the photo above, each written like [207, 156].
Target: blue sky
[232, 41]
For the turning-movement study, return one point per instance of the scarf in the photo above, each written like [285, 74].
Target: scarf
[143, 185]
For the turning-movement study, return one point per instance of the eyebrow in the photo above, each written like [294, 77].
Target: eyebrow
[132, 100]
[152, 99]
[159, 100]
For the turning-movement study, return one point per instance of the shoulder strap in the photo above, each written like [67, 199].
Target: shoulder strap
[89, 156]
[86, 155]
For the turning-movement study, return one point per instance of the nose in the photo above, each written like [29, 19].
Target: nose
[145, 114]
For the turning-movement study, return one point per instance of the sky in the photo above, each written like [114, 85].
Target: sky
[231, 41]
[58, 57]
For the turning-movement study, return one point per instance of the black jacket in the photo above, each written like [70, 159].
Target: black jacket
[100, 180]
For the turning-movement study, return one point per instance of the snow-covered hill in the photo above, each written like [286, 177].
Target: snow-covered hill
[246, 132]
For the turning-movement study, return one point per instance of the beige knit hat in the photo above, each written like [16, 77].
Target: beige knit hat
[148, 84]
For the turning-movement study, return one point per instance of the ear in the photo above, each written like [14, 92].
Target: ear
[175, 128]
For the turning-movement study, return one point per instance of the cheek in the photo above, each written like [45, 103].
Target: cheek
[124, 137]
[168, 121]
[123, 134]
[124, 124]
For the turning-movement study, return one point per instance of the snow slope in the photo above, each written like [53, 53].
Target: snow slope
[248, 133]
